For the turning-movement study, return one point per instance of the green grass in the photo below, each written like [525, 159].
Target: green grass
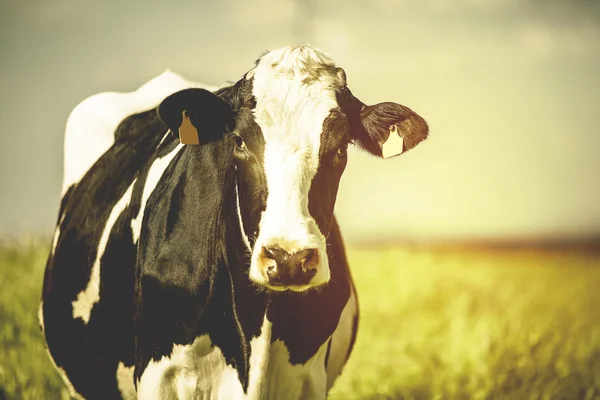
[434, 325]
[475, 325]
[26, 371]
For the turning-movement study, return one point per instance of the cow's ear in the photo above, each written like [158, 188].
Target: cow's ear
[196, 115]
[389, 129]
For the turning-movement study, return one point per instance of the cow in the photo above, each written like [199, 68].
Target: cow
[196, 253]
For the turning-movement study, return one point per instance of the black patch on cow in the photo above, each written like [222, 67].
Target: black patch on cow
[337, 247]
[332, 162]
[335, 133]
[251, 179]
[304, 321]
[189, 275]
[351, 107]
[116, 291]
[209, 114]
[88, 353]
[239, 95]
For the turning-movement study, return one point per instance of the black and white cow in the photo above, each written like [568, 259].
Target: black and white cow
[217, 269]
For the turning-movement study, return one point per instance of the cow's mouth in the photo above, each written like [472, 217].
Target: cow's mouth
[301, 289]
[278, 269]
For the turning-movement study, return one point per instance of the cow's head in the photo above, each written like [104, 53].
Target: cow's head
[291, 119]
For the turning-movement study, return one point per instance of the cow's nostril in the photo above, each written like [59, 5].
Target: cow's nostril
[310, 259]
[283, 268]
[272, 273]
[269, 253]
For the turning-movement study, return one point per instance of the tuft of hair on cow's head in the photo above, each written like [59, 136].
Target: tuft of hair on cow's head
[196, 115]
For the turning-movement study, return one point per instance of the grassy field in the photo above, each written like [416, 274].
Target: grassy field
[434, 325]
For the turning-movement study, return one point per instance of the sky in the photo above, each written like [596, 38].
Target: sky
[510, 89]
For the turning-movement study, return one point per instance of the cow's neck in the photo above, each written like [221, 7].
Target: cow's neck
[302, 322]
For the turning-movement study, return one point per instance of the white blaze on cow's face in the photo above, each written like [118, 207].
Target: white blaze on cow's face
[295, 90]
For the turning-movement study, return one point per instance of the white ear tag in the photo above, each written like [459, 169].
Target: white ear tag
[188, 134]
[394, 145]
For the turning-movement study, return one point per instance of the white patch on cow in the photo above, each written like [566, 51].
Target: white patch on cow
[56, 235]
[259, 358]
[125, 382]
[55, 240]
[199, 371]
[92, 124]
[340, 340]
[294, 89]
[169, 132]
[272, 376]
[157, 169]
[239, 213]
[295, 382]
[194, 371]
[90, 295]
[41, 316]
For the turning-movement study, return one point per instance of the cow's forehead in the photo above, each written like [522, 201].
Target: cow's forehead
[295, 89]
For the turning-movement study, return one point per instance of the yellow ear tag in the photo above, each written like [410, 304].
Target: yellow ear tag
[188, 134]
[393, 145]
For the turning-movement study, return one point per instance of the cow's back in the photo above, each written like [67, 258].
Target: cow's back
[91, 126]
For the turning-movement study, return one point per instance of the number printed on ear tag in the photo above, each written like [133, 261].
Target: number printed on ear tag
[394, 145]
[188, 134]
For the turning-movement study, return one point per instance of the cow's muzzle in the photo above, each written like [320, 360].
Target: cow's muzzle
[285, 269]
[277, 268]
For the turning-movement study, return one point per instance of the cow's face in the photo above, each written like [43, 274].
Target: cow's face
[294, 119]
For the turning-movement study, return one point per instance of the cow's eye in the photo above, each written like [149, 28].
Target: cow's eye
[239, 142]
[342, 151]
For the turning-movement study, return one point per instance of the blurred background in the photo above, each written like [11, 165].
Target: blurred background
[510, 88]
[511, 91]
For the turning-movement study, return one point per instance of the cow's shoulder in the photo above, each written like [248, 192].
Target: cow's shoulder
[107, 194]
[91, 128]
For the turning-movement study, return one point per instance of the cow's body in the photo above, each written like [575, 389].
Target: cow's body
[155, 285]
[88, 295]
